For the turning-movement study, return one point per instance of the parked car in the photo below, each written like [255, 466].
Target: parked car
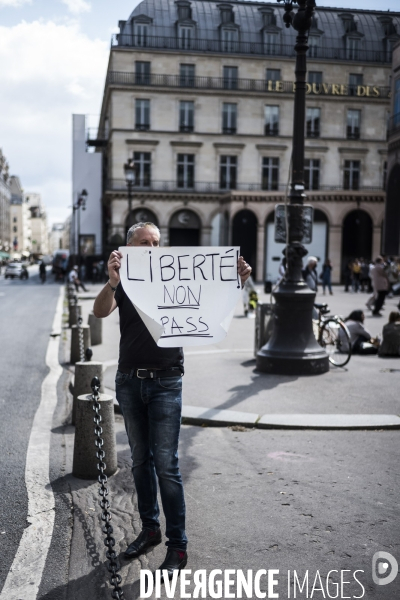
[15, 269]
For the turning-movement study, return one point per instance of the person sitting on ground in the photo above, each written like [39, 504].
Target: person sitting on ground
[361, 340]
[310, 273]
[390, 345]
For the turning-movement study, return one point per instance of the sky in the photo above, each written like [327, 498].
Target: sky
[53, 62]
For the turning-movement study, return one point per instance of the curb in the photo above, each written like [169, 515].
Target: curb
[212, 417]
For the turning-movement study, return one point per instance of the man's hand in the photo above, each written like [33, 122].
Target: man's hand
[114, 265]
[244, 270]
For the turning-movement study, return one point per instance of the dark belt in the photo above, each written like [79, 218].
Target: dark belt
[152, 373]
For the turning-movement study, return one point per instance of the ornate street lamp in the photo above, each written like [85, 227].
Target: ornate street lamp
[292, 348]
[130, 176]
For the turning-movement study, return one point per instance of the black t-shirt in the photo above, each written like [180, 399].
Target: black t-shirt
[137, 348]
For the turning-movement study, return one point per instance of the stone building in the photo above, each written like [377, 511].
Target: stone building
[199, 94]
[20, 221]
[392, 215]
[40, 237]
[5, 197]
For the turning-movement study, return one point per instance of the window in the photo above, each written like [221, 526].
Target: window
[227, 172]
[142, 115]
[313, 119]
[15, 229]
[186, 75]
[185, 171]
[185, 37]
[14, 219]
[355, 79]
[273, 74]
[270, 173]
[314, 77]
[230, 78]
[229, 113]
[351, 179]
[272, 120]
[227, 14]
[186, 116]
[352, 48]
[311, 173]
[384, 175]
[142, 162]
[142, 72]
[141, 34]
[353, 124]
[271, 43]
[229, 40]
[313, 44]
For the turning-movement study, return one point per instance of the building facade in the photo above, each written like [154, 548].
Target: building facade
[5, 198]
[86, 226]
[20, 219]
[392, 213]
[38, 220]
[200, 95]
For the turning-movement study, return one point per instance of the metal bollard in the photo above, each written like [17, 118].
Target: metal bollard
[263, 325]
[85, 461]
[75, 311]
[84, 373]
[76, 354]
[96, 327]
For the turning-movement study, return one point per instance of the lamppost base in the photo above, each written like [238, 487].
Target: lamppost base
[293, 349]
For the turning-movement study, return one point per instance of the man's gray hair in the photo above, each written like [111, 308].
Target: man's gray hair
[140, 225]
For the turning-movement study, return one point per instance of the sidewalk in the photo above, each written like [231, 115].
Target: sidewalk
[305, 499]
[221, 386]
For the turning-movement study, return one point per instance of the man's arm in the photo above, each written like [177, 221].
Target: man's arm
[105, 302]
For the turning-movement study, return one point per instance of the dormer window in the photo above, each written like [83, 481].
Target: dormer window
[313, 45]
[270, 33]
[184, 10]
[391, 35]
[227, 14]
[268, 15]
[349, 23]
[352, 48]
[141, 30]
[271, 42]
[230, 38]
[185, 35]
[352, 37]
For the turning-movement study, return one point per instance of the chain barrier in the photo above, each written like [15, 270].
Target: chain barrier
[113, 565]
[79, 322]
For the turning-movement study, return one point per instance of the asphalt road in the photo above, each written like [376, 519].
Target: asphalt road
[26, 315]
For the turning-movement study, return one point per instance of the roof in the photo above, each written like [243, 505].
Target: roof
[206, 14]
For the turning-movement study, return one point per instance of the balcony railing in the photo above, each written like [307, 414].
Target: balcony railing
[246, 85]
[207, 187]
[160, 42]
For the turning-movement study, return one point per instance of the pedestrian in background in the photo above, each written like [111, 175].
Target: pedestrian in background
[310, 273]
[348, 275]
[356, 275]
[380, 284]
[73, 278]
[365, 279]
[390, 345]
[326, 276]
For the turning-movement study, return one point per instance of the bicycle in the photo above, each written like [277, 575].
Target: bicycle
[332, 334]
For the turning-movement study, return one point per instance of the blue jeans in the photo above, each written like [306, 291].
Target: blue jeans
[152, 413]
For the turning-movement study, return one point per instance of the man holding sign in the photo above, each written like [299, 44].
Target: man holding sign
[150, 368]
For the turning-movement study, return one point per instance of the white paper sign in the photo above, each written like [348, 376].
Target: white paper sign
[185, 296]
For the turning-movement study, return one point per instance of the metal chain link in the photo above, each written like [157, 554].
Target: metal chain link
[113, 565]
[79, 322]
